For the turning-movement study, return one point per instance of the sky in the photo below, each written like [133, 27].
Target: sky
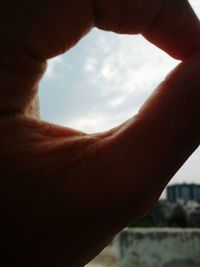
[103, 81]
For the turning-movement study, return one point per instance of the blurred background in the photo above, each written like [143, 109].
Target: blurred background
[99, 84]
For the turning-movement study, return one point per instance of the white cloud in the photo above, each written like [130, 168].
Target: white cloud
[116, 102]
[196, 5]
[90, 64]
[114, 76]
[52, 65]
[107, 72]
[89, 124]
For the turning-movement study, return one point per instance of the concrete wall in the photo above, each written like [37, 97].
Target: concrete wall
[158, 248]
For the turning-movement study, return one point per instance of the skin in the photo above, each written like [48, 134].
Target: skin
[64, 194]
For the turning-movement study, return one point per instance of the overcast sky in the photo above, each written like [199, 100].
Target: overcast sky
[103, 81]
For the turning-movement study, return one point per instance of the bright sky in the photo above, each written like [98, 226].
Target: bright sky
[103, 81]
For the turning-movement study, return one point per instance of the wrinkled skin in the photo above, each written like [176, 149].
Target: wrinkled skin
[65, 194]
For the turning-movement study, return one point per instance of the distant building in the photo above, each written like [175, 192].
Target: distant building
[182, 193]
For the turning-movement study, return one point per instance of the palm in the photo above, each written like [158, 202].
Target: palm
[46, 179]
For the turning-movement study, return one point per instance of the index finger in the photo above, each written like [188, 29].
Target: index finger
[56, 26]
[171, 25]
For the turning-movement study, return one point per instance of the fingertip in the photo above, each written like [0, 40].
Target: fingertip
[176, 30]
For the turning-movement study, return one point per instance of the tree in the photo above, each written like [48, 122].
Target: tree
[178, 217]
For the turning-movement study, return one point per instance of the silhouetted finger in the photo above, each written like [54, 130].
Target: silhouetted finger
[145, 152]
[171, 25]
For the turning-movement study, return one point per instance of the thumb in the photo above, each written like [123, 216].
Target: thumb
[149, 149]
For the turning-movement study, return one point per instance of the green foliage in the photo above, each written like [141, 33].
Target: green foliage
[145, 222]
[178, 217]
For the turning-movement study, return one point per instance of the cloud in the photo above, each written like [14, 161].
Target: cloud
[86, 123]
[196, 5]
[90, 65]
[106, 74]
[52, 67]
[117, 102]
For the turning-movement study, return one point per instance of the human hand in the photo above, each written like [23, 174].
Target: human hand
[65, 194]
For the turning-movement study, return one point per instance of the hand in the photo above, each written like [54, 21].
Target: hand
[65, 194]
